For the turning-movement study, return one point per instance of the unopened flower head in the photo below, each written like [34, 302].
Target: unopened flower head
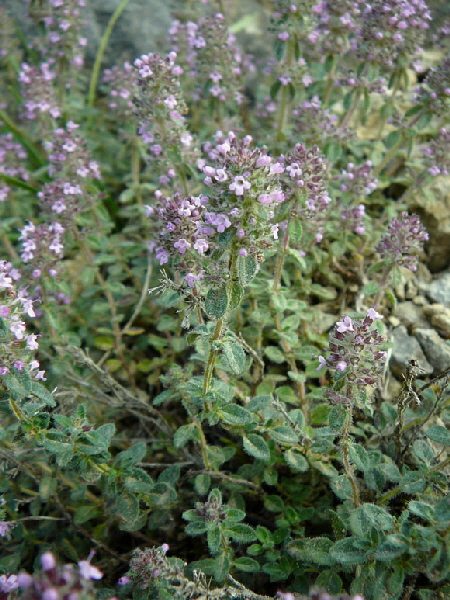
[403, 242]
[150, 564]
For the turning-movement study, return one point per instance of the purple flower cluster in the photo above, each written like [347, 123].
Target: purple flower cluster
[315, 125]
[338, 23]
[38, 91]
[243, 188]
[435, 90]
[62, 21]
[72, 168]
[355, 351]
[68, 154]
[120, 83]
[12, 157]
[403, 241]
[304, 182]
[59, 582]
[17, 347]
[353, 217]
[393, 31]
[159, 108]
[437, 154]
[148, 565]
[42, 246]
[358, 180]
[210, 56]
[292, 19]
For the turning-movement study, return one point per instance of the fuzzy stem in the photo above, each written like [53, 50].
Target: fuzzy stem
[345, 454]
[212, 355]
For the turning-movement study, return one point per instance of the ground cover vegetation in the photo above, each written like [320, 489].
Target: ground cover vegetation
[200, 252]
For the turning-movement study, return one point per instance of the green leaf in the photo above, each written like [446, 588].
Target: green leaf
[236, 295]
[234, 356]
[202, 483]
[247, 267]
[296, 461]
[132, 456]
[371, 288]
[14, 386]
[196, 528]
[359, 456]
[258, 403]
[314, 550]
[246, 564]
[235, 515]
[85, 513]
[274, 354]
[283, 434]
[216, 302]
[330, 581]
[171, 475]
[256, 446]
[370, 516]
[439, 434]
[392, 138]
[277, 571]
[274, 89]
[232, 413]
[350, 551]
[273, 503]
[127, 506]
[295, 230]
[240, 532]
[264, 536]
[421, 509]
[394, 545]
[185, 433]
[423, 451]
[337, 418]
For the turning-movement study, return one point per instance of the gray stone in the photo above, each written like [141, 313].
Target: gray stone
[435, 349]
[410, 314]
[439, 316]
[406, 348]
[439, 290]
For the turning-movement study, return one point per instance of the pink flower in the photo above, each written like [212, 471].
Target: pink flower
[239, 185]
[322, 363]
[345, 325]
[182, 245]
